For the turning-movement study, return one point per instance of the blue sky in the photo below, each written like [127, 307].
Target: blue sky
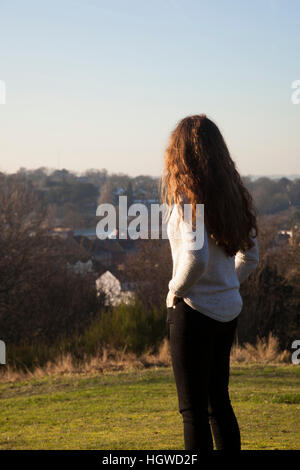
[101, 84]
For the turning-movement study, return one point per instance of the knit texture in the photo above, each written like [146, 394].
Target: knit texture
[207, 278]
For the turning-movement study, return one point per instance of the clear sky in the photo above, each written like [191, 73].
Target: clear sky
[101, 84]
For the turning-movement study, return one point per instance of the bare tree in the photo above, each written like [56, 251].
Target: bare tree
[40, 297]
[151, 270]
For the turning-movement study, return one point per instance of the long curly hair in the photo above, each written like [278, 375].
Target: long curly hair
[199, 170]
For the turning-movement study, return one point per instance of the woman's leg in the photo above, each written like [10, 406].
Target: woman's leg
[191, 346]
[222, 418]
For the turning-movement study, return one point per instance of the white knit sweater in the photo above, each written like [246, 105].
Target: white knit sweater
[207, 278]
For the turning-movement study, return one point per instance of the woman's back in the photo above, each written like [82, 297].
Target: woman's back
[207, 278]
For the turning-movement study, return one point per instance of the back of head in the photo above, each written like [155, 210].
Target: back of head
[198, 165]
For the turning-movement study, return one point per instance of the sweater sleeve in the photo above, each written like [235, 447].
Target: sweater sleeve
[246, 261]
[192, 262]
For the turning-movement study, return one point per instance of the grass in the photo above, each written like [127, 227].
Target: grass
[137, 409]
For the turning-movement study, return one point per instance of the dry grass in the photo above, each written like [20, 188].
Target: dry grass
[265, 351]
[109, 359]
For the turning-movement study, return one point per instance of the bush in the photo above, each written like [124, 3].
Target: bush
[269, 306]
[133, 328]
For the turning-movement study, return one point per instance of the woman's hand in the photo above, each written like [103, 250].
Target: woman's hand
[172, 299]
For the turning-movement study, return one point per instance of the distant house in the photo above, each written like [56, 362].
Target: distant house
[119, 191]
[288, 236]
[62, 232]
[114, 290]
[283, 236]
[82, 179]
[81, 267]
[147, 202]
[109, 252]
[91, 233]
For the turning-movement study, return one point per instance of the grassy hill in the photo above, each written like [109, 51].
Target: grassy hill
[137, 409]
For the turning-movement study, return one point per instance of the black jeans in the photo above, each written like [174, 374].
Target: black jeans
[200, 354]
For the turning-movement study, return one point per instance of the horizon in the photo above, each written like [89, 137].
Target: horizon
[81, 173]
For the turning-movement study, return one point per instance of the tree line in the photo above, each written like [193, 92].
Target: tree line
[47, 309]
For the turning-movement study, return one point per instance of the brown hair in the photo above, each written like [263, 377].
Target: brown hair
[199, 169]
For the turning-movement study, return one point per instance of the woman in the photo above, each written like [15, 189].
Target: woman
[204, 302]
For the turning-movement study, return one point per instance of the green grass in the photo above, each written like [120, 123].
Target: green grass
[139, 410]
